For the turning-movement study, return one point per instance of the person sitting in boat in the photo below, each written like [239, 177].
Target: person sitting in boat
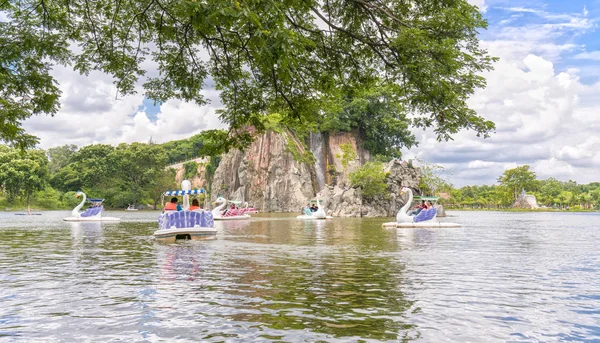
[172, 206]
[429, 205]
[420, 208]
[195, 205]
[314, 208]
[416, 209]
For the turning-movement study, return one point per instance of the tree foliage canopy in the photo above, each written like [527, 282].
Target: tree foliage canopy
[517, 179]
[371, 180]
[550, 192]
[380, 120]
[22, 173]
[292, 57]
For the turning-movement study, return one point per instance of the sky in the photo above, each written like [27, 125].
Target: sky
[543, 95]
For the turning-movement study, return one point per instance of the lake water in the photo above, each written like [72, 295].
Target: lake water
[502, 277]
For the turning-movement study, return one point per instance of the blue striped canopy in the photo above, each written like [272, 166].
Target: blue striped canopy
[181, 192]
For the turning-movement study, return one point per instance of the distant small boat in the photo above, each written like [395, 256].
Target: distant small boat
[28, 213]
[131, 208]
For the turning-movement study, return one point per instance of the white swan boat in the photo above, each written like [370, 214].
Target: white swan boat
[131, 208]
[230, 214]
[185, 224]
[318, 214]
[425, 218]
[91, 214]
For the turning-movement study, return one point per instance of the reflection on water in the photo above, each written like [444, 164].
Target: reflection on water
[501, 277]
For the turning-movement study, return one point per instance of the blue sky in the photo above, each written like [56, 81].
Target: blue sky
[544, 96]
[517, 13]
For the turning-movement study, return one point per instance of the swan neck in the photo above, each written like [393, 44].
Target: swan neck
[406, 206]
[217, 210]
[75, 212]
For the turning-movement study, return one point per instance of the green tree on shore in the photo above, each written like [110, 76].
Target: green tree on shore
[139, 165]
[22, 174]
[517, 179]
[60, 156]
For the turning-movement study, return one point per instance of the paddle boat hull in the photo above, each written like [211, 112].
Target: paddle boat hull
[193, 233]
[319, 214]
[242, 217]
[91, 219]
[394, 225]
[192, 225]
[306, 217]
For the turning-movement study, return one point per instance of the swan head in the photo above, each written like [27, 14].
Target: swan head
[220, 200]
[78, 194]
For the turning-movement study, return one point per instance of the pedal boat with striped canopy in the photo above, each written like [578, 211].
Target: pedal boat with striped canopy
[185, 224]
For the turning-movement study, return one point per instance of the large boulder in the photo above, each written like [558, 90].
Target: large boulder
[525, 200]
[346, 201]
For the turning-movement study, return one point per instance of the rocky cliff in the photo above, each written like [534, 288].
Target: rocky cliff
[281, 173]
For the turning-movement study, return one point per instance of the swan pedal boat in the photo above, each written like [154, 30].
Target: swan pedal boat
[318, 214]
[91, 214]
[230, 214]
[185, 224]
[425, 219]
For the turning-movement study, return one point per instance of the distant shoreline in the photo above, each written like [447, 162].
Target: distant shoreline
[517, 210]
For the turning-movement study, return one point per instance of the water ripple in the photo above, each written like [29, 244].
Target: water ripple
[505, 277]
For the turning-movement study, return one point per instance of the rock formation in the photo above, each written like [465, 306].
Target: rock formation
[277, 173]
[525, 200]
[199, 178]
[345, 201]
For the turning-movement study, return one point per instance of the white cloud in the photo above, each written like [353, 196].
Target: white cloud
[176, 120]
[92, 112]
[480, 4]
[545, 115]
[591, 55]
